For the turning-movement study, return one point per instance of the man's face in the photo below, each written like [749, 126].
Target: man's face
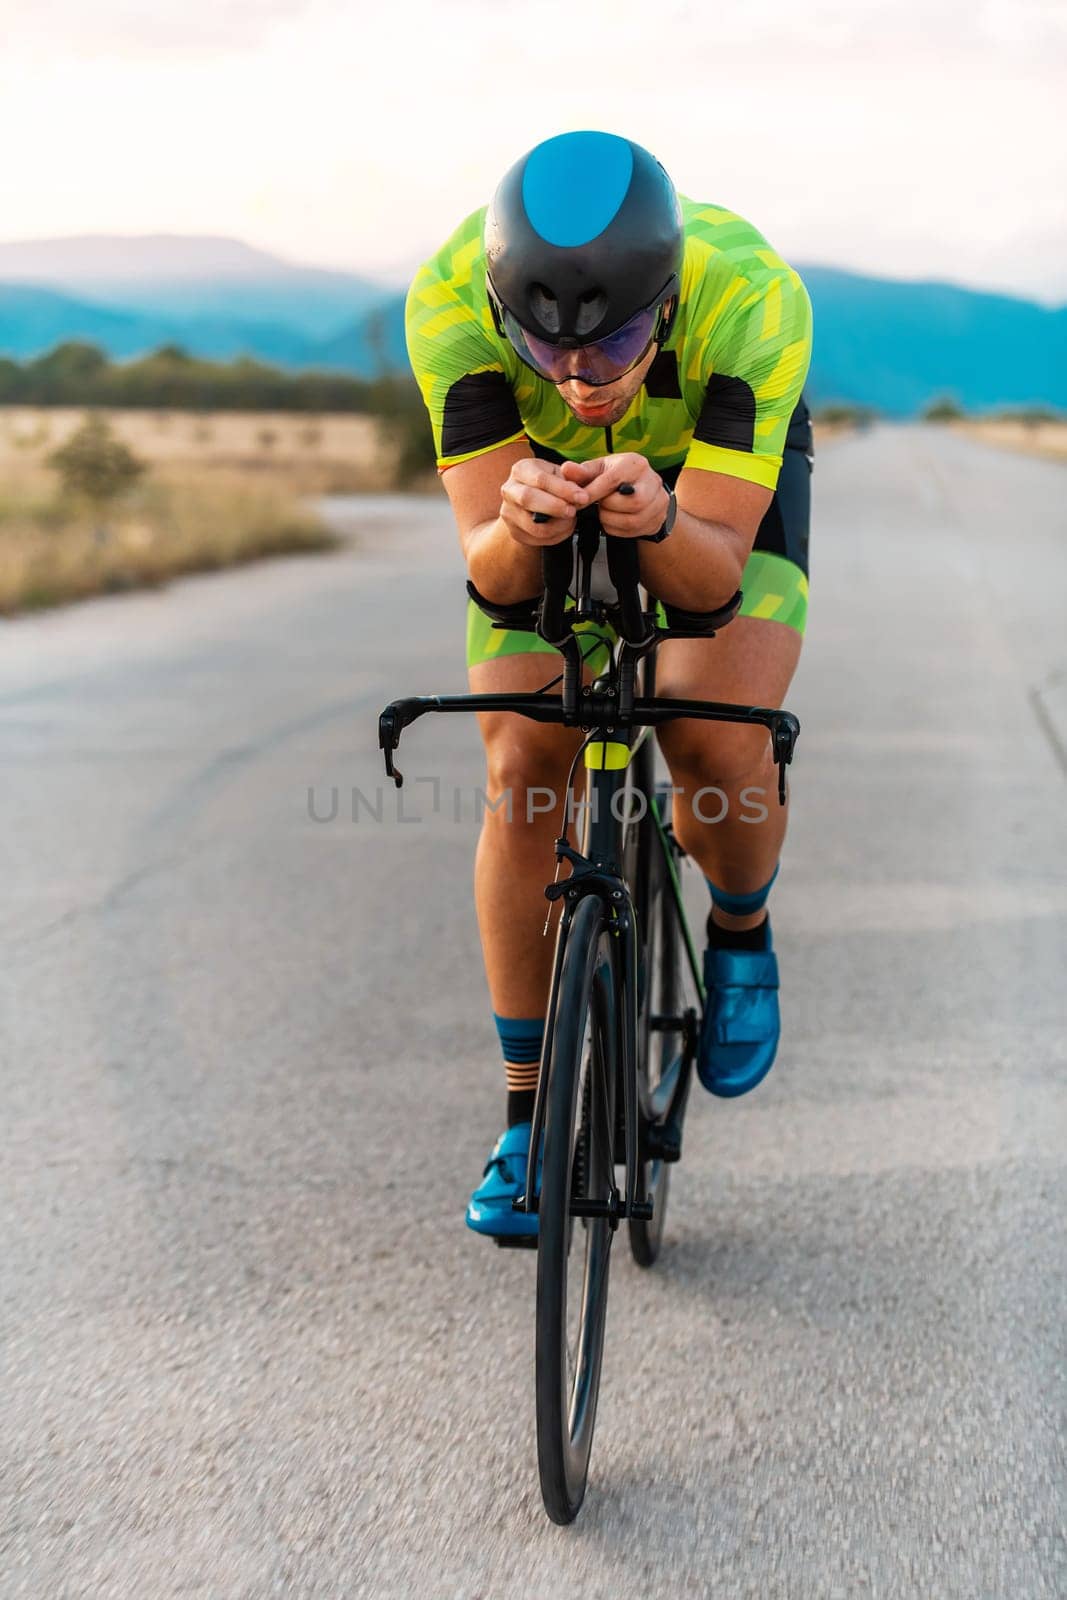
[602, 407]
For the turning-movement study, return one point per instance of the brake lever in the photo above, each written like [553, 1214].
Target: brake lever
[784, 736]
[388, 739]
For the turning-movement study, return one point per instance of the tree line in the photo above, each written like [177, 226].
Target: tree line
[77, 373]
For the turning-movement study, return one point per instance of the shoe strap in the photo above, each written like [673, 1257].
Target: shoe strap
[742, 969]
[503, 1165]
[511, 1166]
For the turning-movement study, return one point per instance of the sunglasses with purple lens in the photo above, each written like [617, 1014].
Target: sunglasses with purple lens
[594, 364]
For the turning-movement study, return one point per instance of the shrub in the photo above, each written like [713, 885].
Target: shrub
[94, 465]
[405, 427]
[845, 413]
[945, 408]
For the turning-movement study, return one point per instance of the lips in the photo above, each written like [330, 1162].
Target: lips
[590, 413]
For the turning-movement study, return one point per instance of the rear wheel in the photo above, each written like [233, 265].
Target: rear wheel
[573, 1253]
[660, 1047]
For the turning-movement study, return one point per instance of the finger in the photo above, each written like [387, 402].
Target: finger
[606, 482]
[548, 476]
[620, 497]
[627, 500]
[620, 525]
[527, 497]
[553, 531]
[633, 479]
[629, 512]
[582, 472]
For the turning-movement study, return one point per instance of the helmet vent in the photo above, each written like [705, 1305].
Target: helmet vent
[545, 307]
[592, 307]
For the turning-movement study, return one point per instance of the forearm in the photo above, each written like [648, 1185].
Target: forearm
[698, 566]
[500, 568]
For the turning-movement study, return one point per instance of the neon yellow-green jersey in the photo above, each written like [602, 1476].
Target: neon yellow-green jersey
[719, 396]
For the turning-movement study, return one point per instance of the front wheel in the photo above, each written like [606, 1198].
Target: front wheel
[573, 1253]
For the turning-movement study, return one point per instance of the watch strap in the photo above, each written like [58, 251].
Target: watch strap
[668, 521]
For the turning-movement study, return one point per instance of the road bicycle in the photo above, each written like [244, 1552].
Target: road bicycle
[626, 996]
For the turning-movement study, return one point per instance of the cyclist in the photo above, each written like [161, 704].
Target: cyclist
[589, 329]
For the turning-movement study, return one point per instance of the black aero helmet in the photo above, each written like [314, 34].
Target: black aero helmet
[583, 233]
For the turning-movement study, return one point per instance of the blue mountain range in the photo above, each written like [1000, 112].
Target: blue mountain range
[882, 343]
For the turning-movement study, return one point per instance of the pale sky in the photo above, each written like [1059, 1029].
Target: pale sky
[911, 138]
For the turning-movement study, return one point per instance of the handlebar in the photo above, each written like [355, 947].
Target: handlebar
[597, 708]
[548, 614]
[557, 569]
[557, 574]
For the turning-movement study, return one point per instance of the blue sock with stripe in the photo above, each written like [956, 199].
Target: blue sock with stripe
[520, 1041]
[739, 905]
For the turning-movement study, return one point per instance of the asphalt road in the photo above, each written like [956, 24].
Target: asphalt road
[248, 1347]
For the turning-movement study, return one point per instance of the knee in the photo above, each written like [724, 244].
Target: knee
[719, 754]
[526, 774]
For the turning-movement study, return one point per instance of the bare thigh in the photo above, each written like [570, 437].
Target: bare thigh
[518, 751]
[751, 662]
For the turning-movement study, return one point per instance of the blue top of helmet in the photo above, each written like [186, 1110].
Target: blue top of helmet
[574, 184]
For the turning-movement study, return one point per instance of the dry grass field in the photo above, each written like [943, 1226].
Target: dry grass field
[218, 489]
[1048, 439]
[304, 454]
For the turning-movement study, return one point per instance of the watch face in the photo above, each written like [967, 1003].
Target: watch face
[672, 511]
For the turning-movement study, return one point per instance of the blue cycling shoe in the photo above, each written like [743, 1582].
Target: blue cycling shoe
[490, 1209]
[741, 1027]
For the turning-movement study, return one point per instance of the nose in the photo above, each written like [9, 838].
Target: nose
[578, 388]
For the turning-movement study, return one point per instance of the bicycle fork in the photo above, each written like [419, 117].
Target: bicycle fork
[586, 879]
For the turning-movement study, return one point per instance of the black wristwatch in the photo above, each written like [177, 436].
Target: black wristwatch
[668, 521]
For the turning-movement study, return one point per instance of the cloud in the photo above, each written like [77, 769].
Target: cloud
[957, 29]
[893, 30]
[125, 28]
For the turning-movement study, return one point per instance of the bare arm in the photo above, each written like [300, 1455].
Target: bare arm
[494, 498]
[699, 566]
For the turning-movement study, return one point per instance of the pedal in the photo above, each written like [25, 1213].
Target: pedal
[518, 1241]
[663, 1142]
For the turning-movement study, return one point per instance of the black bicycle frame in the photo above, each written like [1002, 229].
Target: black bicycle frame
[598, 871]
[611, 708]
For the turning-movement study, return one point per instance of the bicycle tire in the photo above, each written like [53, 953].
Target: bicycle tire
[660, 996]
[578, 1156]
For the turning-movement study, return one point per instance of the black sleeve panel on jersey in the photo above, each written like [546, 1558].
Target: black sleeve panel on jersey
[480, 411]
[728, 415]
